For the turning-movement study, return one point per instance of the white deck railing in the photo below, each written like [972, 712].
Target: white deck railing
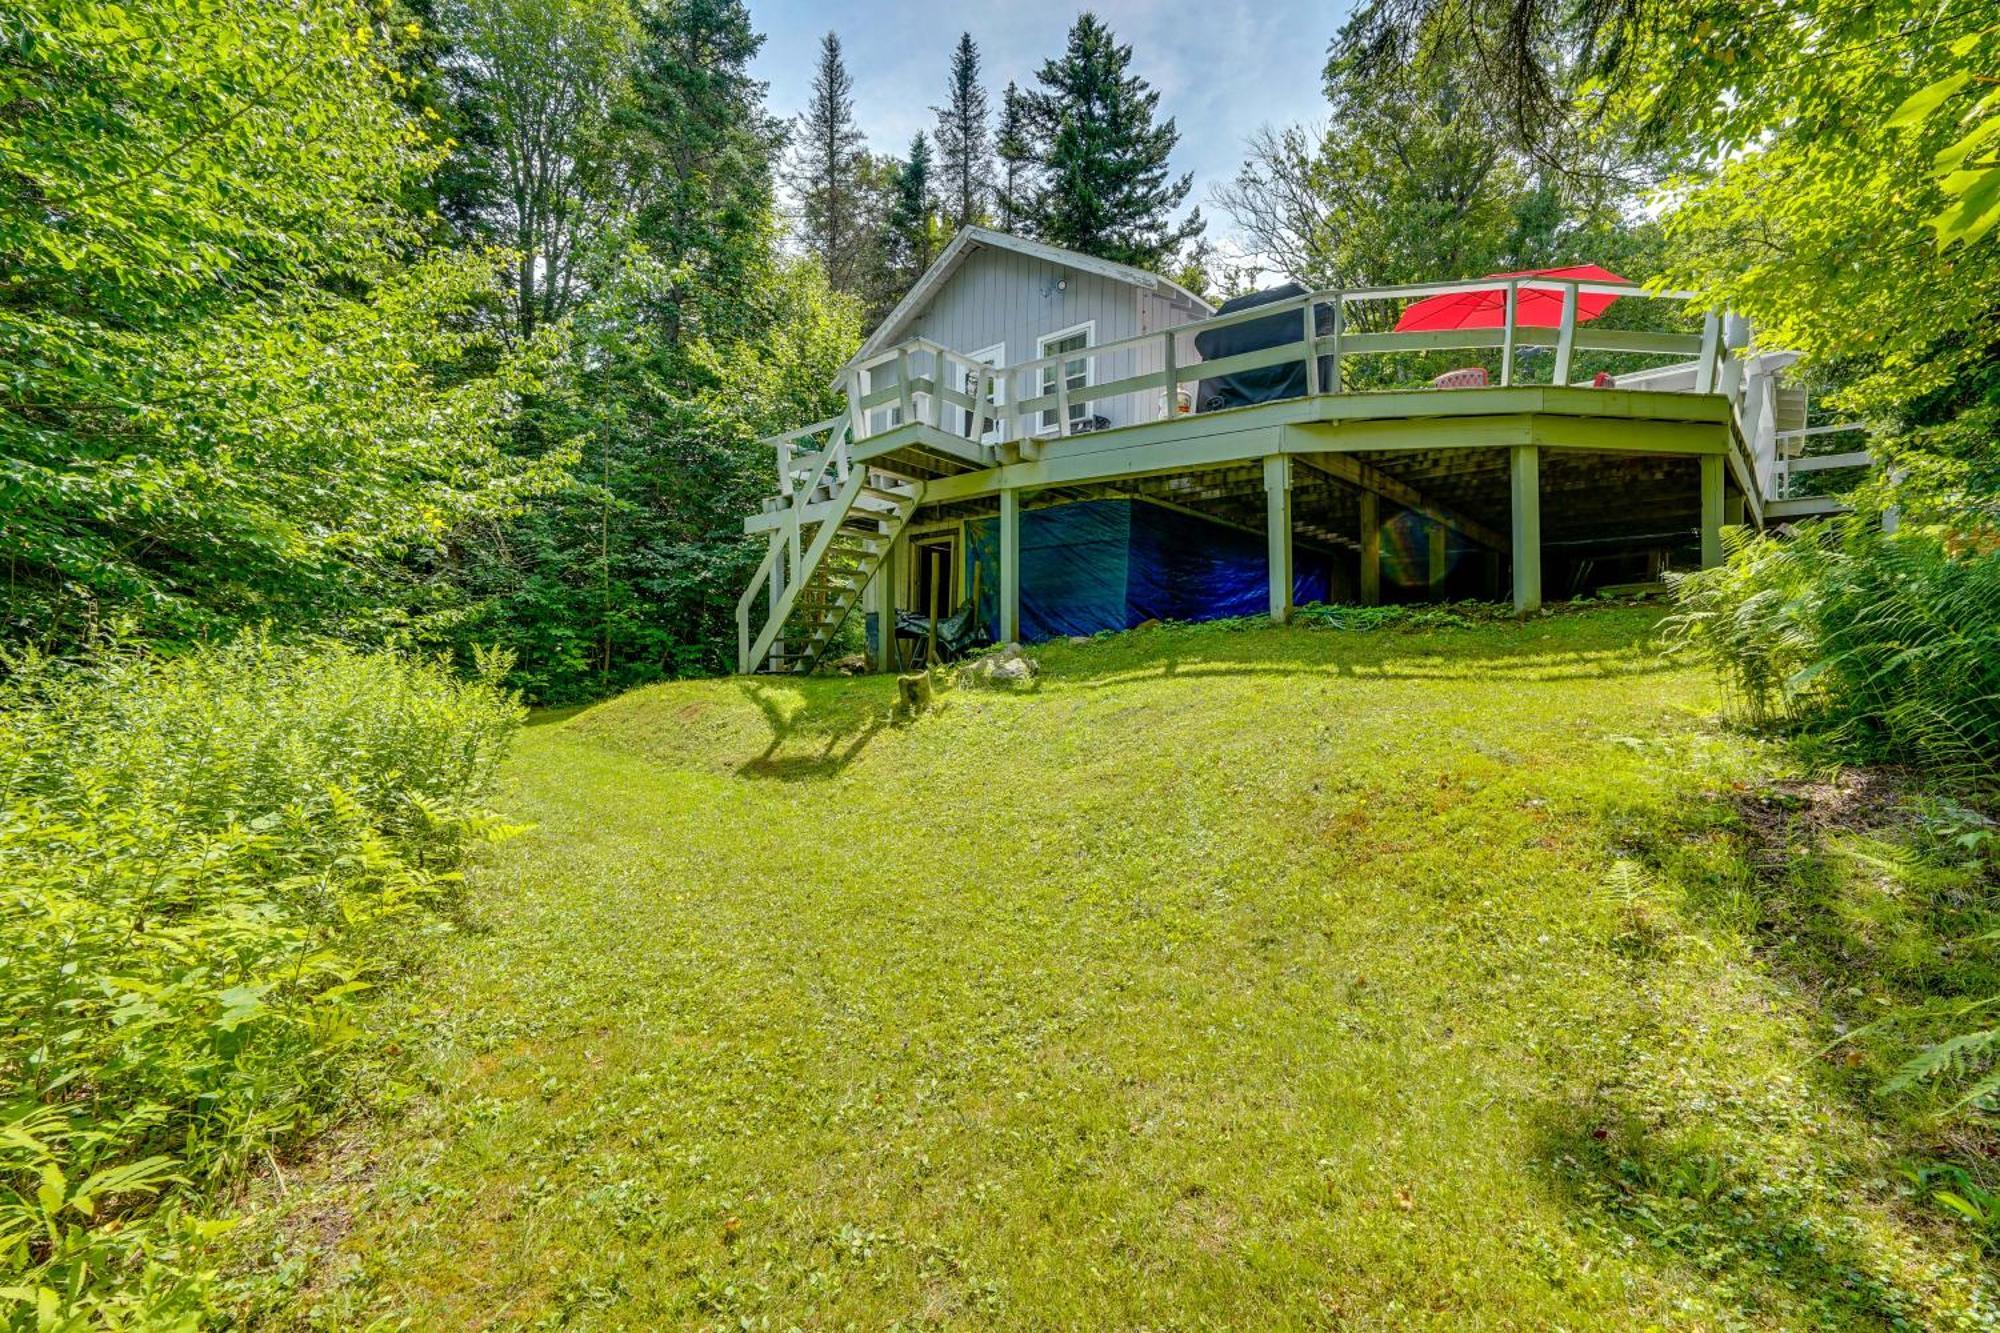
[1005, 406]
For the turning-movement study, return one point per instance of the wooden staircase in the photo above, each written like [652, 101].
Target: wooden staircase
[854, 515]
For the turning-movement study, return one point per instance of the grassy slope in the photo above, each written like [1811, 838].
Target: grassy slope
[1255, 978]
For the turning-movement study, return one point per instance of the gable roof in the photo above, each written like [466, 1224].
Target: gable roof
[971, 239]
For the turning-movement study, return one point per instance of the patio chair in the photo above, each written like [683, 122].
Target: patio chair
[1472, 377]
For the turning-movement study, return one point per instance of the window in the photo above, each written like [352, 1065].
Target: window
[1075, 372]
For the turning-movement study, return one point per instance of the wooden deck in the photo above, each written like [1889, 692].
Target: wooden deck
[1517, 469]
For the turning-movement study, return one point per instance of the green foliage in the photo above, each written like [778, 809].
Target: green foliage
[1416, 177]
[548, 76]
[911, 231]
[629, 572]
[1099, 182]
[235, 390]
[205, 866]
[1888, 644]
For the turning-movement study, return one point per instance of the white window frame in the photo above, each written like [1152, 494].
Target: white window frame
[996, 357]
[1045, 423]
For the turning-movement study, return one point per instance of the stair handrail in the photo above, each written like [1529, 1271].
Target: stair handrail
[758, 581]
[781, 607]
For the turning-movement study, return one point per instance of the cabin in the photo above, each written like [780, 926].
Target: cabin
[1039, 442]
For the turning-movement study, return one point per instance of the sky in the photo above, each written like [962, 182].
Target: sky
[1222, 69]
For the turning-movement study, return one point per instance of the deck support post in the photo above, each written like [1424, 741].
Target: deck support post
[1526, 478]
[1711, 510]
[1371, 549]
[1435, 566]
[1278, 532]
[1010, 566]
[888, 575]
[778, 585]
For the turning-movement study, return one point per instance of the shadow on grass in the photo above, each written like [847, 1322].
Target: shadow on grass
[1851, 890]
[1826, 882]
[833, 726]
[1568, 649]
[1749, 1227]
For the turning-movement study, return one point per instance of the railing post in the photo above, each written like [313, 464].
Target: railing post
[1169, 359]
[785, 468]
[908, 396]
[854, 415]
[941, 369]
[1312, 350]
[1339, 327]
[975, 421]
[1711, 345]
[1507, 338]
[1062, 398]
[1735, 334]
[1566, 337]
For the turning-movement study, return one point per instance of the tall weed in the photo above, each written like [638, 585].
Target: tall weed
[206, 863]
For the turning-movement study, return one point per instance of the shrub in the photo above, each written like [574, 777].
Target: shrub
[205, 865]
[1888, 646]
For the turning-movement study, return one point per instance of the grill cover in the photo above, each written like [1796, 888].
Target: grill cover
[1284, 380]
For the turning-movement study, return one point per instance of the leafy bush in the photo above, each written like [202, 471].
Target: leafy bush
[1889, 646]
[205, 865]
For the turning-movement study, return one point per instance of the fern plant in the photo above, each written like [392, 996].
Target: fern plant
[1887, 646]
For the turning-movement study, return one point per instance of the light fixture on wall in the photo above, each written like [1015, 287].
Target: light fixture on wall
[1059, 285]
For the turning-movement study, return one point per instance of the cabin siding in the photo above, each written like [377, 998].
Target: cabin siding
[999, 296]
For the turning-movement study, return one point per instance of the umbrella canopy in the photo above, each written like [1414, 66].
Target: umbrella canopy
[1534, 307]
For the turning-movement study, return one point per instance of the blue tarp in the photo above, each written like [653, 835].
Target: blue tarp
[1112, 564]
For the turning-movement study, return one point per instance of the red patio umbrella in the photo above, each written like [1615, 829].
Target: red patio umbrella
[1487, 309]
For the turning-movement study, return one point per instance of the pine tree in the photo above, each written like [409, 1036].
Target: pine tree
[1103, 186]
[1012, 148]
[907, 238]
[961, 139]
[698, 151]
[826, 171]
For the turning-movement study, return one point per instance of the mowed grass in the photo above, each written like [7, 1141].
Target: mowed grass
[1231, 978]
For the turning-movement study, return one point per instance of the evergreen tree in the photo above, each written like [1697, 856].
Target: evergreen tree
[1012, 148]
[907, 235]
[698, 150]
[826, 172]
[1103, 186]
[961, 139]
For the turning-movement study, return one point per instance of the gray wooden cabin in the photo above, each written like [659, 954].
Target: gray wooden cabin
[997, 300]
[1016, 377]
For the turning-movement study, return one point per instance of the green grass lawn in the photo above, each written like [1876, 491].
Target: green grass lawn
[1249, 978]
